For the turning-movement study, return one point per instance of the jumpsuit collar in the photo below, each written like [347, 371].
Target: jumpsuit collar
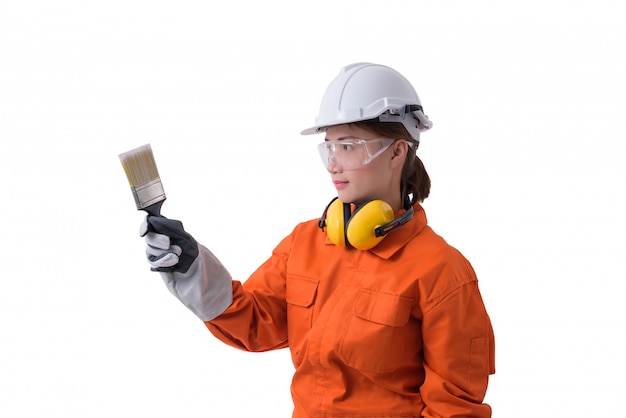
[397, 239]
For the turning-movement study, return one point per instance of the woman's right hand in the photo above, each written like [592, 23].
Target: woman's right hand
[169, 247]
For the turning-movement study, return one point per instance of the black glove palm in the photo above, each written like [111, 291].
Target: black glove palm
[168, 240]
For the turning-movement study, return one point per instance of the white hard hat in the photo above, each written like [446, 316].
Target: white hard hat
[365, 91]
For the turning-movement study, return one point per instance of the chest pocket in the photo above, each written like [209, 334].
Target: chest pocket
[300, 296]
[379, 336]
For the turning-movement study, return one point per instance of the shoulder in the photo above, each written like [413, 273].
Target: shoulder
[448, 270]
[306, 233]
[440, 269]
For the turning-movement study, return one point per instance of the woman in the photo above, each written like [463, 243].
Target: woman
[382, 317]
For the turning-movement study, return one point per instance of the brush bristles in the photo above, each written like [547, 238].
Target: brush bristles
[144, 180]
[139, 165]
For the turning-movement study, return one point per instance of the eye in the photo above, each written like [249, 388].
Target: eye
[347, 147]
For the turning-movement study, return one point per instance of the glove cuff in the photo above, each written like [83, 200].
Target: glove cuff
[205, 288]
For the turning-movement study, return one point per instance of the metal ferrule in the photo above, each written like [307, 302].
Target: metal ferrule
[148, 193]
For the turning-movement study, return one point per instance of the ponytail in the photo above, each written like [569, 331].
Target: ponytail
[415, 180]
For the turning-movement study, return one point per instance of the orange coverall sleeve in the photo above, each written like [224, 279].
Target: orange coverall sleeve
[459, 355]
[257, 319]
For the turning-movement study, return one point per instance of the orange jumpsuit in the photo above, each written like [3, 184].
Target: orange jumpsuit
[396, 331]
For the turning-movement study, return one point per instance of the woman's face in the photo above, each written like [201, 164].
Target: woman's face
[378, 179]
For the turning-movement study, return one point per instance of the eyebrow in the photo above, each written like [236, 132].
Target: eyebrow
[341, 138]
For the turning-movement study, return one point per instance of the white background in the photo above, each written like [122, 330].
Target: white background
[526, 157]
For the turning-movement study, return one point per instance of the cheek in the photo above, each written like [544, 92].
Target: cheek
[374, 182]
[377, 172]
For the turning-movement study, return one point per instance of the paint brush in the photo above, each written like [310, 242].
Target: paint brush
[144, 179]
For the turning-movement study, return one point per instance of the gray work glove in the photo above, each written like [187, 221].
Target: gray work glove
[169, 247]
[190, 271]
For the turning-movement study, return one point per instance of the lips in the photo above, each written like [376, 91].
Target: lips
[339, 184]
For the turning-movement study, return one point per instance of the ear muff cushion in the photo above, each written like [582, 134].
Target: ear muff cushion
[335, 223]
[360, 230]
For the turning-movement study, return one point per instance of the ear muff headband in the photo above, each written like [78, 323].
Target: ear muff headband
[396, 223]
[364, 228]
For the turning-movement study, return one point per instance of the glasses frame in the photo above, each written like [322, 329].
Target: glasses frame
[327, 156]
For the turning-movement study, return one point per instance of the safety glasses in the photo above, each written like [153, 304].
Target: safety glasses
[350, 154]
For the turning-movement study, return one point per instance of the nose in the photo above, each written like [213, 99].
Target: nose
[332, 166]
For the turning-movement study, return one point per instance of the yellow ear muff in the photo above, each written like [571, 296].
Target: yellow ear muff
[360, 230]
[335, 223]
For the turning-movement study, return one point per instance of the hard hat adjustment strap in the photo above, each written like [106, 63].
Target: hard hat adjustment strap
[402, 111]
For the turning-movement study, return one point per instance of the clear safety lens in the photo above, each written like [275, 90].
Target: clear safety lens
[351, 154]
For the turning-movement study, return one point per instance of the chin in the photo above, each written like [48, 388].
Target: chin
[345, 197]
[351, 198]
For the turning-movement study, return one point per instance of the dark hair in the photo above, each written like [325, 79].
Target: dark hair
[415, 182]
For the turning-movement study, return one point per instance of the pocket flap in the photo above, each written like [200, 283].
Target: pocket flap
[301, 291]
[382, 308]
